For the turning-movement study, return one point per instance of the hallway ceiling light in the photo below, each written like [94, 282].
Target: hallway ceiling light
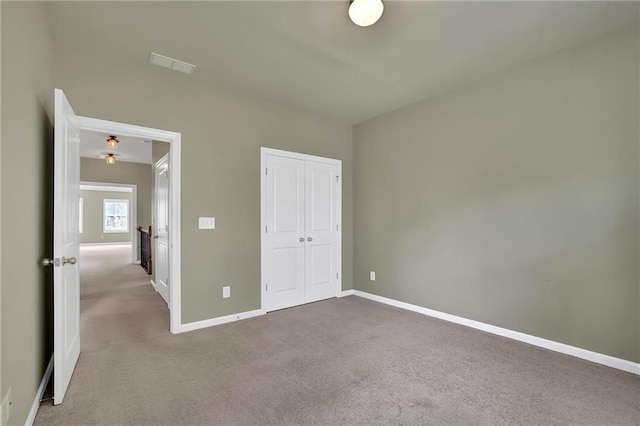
[112, 142]
[111, 159]
[365, 12]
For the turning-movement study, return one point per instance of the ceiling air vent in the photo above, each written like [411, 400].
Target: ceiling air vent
[172, 64]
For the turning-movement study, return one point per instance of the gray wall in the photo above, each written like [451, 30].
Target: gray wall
[26, 202]
[93, 223]
[222, 132]
[513, 202]
[95, 170]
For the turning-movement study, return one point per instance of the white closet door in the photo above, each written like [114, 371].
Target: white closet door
[321, 220]
[284, 263]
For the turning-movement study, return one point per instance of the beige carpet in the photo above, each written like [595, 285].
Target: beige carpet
[340, 361]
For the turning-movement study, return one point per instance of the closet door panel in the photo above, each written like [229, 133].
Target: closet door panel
[285, 260]
[321, 274]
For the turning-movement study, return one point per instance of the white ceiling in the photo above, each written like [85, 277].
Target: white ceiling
[130, 149]
[308, 54]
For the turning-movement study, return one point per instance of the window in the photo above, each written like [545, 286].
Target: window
[81, 215]
[116, 216]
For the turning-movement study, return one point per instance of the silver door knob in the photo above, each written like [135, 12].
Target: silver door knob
[301, 240]
[309, 239]
[69, 260]
[47, 262]
[155, 237]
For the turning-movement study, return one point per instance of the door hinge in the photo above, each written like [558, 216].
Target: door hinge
[266, 171]
[337, 276]
[266, 230]
[337, 179]
[337, 227]
[266, 287]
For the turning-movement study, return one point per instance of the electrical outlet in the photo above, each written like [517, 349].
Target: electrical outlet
[7, 402]
[226, 292]
[372, 275]
[206, 223]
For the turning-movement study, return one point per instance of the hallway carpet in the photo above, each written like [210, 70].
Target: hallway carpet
[340, 361]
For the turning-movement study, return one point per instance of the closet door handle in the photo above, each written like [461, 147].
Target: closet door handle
[301, 240]
[309, 239]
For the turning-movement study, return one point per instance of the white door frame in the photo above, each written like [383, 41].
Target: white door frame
[133, 210]
[174, 139]
[263, 210]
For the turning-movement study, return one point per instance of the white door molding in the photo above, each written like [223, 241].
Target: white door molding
[133, 211]
[269, 152]
[174, 139]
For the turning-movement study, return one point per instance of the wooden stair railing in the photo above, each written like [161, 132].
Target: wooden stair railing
[145, 249]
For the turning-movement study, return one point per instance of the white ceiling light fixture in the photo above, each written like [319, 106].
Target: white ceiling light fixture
[172, 64]
[365, 12]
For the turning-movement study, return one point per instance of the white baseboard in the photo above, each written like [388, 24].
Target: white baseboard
[39, 394]
[121, 243]
[153, 284]
[620, 364]
[219, 320]
[345, 293]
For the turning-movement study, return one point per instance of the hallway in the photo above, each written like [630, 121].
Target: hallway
[118, 308]
[117, 303]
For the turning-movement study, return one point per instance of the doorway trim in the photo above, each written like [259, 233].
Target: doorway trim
[133, 210]
[174, 140]
[264, 152]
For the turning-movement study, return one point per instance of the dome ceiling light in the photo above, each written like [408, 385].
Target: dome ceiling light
[365, 12]
[113, 142]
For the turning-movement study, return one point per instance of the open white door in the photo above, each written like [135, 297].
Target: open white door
[66, 247]
[161, 231]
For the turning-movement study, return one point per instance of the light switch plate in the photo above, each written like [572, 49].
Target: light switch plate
[207, 223]
[226, 292]
[372, 275]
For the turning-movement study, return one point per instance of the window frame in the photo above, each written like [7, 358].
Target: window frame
[105, 201]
